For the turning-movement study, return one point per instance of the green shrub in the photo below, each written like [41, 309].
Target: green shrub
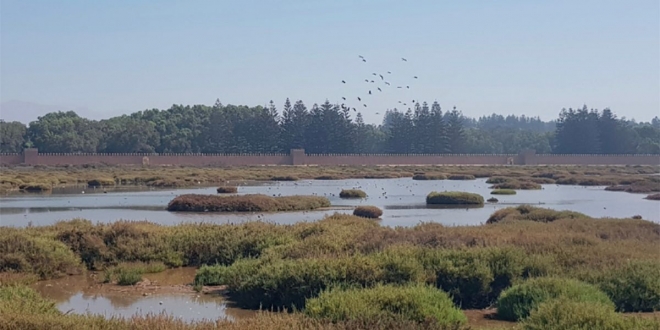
[503, 192]
[227, 190]
[498, 179]
[277, 283]
[245, 203]
[633, 287]
[531, 213]
[454, 198]
[101, 182]
[461, 177]
[429, 176]
[566, 314]
[23, 299]
[520, 185]
[475, 278]
[518, 301]
[128, 276]
[417, 303]
[43, 256]
[352, 193]
[370, 212]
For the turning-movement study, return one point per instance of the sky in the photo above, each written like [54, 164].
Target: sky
[107, 58]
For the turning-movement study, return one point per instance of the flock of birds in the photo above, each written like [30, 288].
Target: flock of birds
[380, 86]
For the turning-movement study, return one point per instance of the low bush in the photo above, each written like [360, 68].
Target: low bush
[520, 185]
[461, 177]
[531, 213]
[128, 276]
[35, 187]
[284, 178]
[23, 299]
[653, 197]
[371, 212]
[227, 190]
[429, 176]
[417, 303]
[257, 283]
[352, 193]
[492, 200]
[633, 287]
[101, 182]
[516, 302]
[454, 198]
[43, 256]
[565, 314]
[245, 203]
[503, 192]
[498, 179]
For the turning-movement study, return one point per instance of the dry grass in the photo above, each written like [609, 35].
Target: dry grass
[245, 203]
[454, 198]
[429, 176]
[653, 197]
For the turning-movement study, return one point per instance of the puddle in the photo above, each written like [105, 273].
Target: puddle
[168, 293]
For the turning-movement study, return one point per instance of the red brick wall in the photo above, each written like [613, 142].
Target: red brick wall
[11, 159]
[32, 157]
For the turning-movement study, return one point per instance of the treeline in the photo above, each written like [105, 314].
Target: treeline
[329, 128]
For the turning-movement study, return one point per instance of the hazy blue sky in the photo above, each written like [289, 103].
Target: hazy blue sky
[519, 57]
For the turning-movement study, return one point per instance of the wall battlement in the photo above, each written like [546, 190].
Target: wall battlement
[31, 157]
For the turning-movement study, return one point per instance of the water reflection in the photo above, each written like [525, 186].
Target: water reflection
[402, 199]
[83, 294]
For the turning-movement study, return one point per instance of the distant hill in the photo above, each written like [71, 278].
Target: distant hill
[25, 112]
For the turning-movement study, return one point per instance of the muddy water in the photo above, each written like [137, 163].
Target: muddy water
[403, 201]
[168, 293]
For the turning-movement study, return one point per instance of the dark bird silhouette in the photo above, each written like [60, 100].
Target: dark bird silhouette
[343, 98]
[404, 59]
[390, 72]
[378, 113]
[366, 80]
[399, 101]
[369, 92]
[379, 89]
[354, 109]
[415, 77]
[360, 56]
[374, 74]
[399, 87]
[359, 99]
[413, 101]
[386, 83]
[363, 60]
[344, 81]
[408, 87]
[365, 105]
[381, 77]
[404, 104]
[372, 81]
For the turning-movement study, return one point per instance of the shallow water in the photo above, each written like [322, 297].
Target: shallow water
[403, 202]
[81, 294]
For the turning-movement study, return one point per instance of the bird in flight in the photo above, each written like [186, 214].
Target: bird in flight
[390, 72]
[415, 77]
[369, 92]
[374, 74]
[363, 60]
[381, 77]
[372, 81]
[386, 83]
[343, 98]
[366, 80]
[399, 87]
[408, 87]
[404, 59]
[413, 101]
[378, 113]
[359, 99]
[365, 105]
[360, 56]
[380, 89]
[344, 81]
